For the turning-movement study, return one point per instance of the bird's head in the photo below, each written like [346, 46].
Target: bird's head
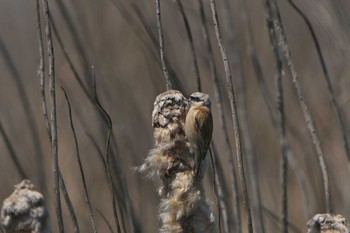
[200, 99]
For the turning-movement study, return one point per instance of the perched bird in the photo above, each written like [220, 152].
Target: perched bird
[199, 127]
[327, 223]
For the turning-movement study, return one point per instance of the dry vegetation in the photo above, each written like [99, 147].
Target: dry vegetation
[108, 61]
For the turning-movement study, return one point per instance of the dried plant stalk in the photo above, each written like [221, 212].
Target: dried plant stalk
[81, 170]
[234, 115]
[281, 123]
[275, 18]
[183, 206]
[250, 153]
[339, 116]
[69, 203]
[161, 46]
[53, 122]
[236, 218]
[107, 158]
[24, 210]
[190, 39]
[41, 69]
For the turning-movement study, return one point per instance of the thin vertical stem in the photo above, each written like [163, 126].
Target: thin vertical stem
[281, 125]
[190, 38]
[69, 203]
[250, 154]
[283, 144]
[53, 122]
[235, 198]
[328, 80]
[161, 47]
[234, 115]
[41, 69]
[275, 17]
[105, 220]
[300, 175]
[86, 193]
[274, 217]
[218, 191]
[109, 175]
[46, 119]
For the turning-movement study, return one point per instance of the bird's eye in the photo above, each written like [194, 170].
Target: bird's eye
[194, 98]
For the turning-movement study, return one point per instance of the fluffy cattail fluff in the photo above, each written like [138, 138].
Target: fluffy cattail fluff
[168, 116]
[327, 223]
[183, 208]
[24, 210]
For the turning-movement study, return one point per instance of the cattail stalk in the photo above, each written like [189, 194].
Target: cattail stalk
[234, 116]
[275, 17]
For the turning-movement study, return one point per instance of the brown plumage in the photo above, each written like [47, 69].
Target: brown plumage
[327, 223]
[199, 127]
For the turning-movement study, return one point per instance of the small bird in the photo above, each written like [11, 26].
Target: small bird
[199, 127]
[327, 223]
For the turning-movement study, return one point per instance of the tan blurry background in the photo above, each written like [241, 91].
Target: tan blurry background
[112, 36]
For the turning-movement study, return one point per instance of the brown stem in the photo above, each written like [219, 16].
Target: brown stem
[234, 115]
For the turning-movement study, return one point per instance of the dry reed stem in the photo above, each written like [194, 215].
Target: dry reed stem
[175, 81]
[250, 153]
[105, 220]
[300, 174]
[234, 115]
[276, 219]
[340, 118]
[81, 170]
[161, 47]
[284, 48]
[219, 192]
[69, 203]
[190, 39]
[46, 119]
[213, 72]
[53, 122]
[281, 125]
[109, 175]
[41, 69]
[92, 99]
[284, 150]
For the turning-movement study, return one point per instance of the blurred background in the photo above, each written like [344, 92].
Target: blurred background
[119, 39]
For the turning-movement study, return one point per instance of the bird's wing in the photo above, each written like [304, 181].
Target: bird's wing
[204, 125]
